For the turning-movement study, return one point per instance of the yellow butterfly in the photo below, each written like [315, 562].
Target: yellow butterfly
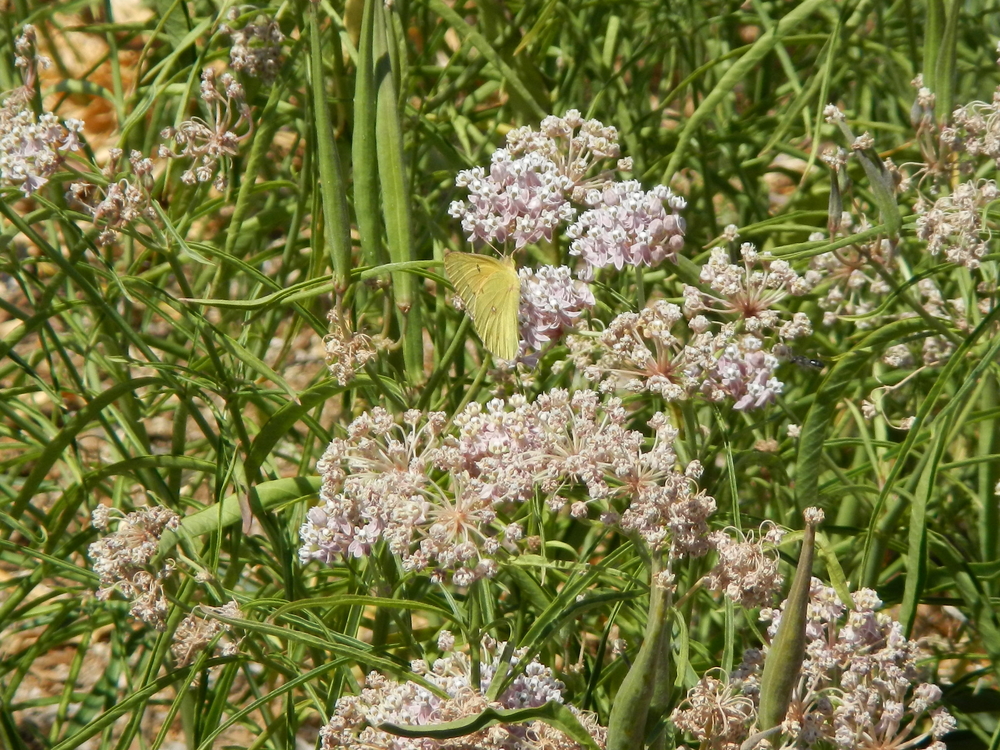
[491, 291]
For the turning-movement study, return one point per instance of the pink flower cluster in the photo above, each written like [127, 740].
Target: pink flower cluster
[551, 301]
[644, 352]
[520, 199]
[628, 226]
[383, 482]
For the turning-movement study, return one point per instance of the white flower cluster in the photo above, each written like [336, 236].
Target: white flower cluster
[747, 569]
[749, 291]
[954, 223]
[31, 147]
[642, 352]
[858, 688]
[357, 719]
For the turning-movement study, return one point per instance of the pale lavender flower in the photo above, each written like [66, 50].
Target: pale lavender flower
[521, 199]
[551, 301]
[744, 373]
[627, 226]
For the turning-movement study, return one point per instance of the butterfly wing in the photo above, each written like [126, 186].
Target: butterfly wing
[491, 291]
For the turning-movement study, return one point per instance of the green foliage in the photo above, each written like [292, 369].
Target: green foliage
[181, 364]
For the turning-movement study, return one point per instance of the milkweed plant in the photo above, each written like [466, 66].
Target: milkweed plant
[266, 481]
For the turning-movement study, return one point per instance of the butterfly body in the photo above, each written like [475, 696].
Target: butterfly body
[491, 291]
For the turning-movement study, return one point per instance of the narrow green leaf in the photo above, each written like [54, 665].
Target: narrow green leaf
[729, 80]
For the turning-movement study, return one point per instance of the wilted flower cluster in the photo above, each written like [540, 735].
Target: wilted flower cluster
[120, 204]
[858, 687]
[551, 301]
[256, 48]
[357, 719]
[209, 144]
[747, 569]
[31, 147]
[380, 483]
[641, 352]
[195, 633]
[121, 559]
[347, 351]
[847, 277]
[749, 291]
[954, 223]
[628, 226]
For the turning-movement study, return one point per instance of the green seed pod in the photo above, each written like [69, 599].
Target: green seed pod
[627, 723]
[788, 649]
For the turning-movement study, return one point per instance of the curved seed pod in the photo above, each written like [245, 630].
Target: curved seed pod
[627, 723]
[788, 649]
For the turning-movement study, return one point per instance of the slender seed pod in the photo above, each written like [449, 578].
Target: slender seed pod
[788, 649]
[627, 723]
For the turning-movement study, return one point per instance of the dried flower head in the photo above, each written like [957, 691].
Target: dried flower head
[121, 559]
[209, 145]
[256, 48]
[347, 352]
[196, 633]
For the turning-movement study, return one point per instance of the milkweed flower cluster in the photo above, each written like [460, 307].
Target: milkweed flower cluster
[123, 203]
[858, 687]
[628, 226]
[749, 291]
[551, 302]
[32, 147]
[121, 559]
[209, 144]
[953, 224]
[534, 187]
[256, 48]
[357, 719]
[649, 351]
[382, 482]
[195, 633]
[747, 568]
